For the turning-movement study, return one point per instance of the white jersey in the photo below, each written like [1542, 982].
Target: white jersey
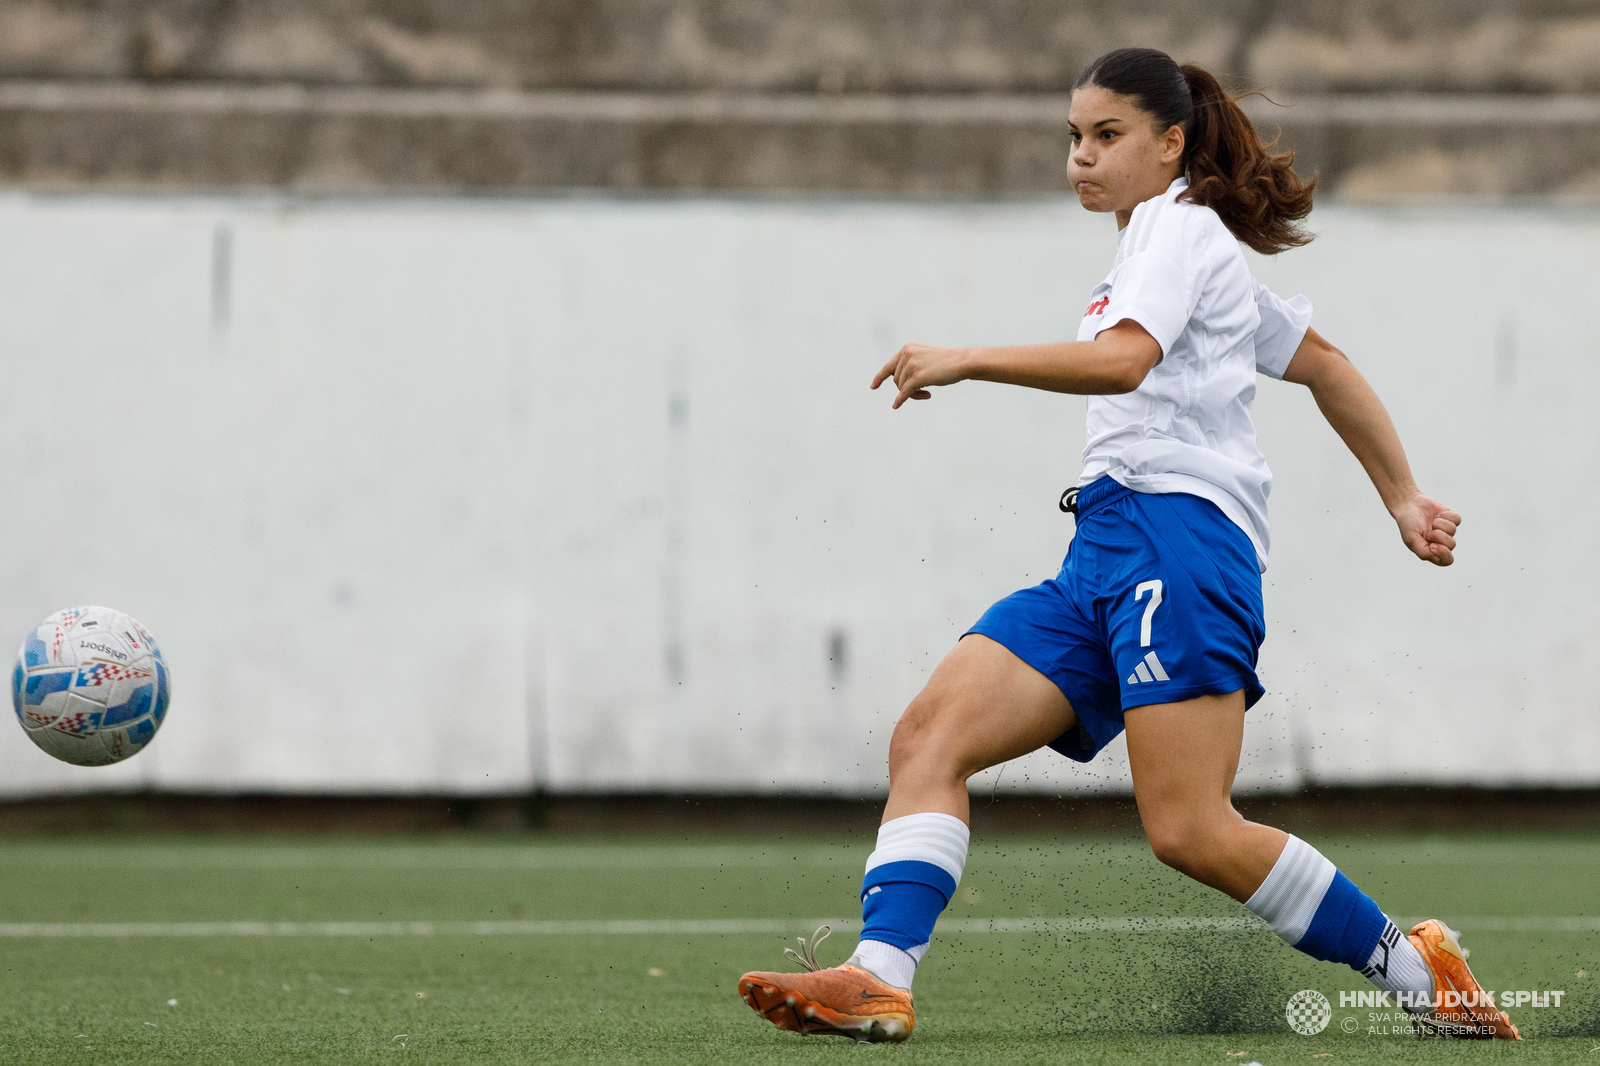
[1180, 274]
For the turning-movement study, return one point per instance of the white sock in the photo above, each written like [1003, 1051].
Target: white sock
[1397, 966]
[889, 964]
[1287, 900]
[938, 839]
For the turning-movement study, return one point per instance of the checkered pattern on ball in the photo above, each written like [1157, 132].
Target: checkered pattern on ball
[90, 686]
[1308, 1012]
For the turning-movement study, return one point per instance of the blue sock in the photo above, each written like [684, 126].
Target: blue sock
[901, 901]
[1345, 927]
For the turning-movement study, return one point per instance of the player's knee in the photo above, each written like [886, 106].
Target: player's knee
[1170, 846]
[918, 742]
[912, 733]
[1183, 843]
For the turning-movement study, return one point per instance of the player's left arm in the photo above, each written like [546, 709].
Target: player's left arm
[1354, 411]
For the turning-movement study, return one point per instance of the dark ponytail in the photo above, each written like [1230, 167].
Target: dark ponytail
[1253, 189]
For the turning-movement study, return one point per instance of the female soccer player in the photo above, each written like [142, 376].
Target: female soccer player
[1155, 620]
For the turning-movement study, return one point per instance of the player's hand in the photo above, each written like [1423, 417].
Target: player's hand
[1429, 529]
[917, 367]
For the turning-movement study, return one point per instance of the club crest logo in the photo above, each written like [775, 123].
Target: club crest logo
[1308, 1012]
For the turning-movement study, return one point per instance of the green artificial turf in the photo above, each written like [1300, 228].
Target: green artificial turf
[1157, 997]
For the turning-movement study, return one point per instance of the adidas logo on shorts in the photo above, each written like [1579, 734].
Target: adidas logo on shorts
[1148, 670]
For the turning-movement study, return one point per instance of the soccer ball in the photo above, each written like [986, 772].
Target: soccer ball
[90, 686]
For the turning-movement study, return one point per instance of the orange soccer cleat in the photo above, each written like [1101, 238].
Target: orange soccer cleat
[840, 1000]
[1460, 1007]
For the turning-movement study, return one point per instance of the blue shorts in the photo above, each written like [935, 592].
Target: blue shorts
[1159, 600]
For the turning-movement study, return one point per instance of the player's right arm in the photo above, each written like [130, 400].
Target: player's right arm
[1116, 361]
[1354, 411]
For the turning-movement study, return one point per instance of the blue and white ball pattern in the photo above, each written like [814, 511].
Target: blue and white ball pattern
[90, 686]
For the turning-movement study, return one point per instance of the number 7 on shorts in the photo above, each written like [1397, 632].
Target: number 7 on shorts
[1154, 588]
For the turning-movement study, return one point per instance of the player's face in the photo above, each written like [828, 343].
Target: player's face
[1119, 159]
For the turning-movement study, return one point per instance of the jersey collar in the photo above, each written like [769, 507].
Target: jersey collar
[1179, 183]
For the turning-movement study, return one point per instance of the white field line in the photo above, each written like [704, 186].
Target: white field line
[540, 859]
[532, 859]
[604, 927]
[610, 857]
[702, 927]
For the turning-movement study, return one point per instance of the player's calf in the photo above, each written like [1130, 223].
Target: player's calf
[910, 877]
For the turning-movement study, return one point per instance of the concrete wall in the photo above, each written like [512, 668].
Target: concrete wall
[591, 494]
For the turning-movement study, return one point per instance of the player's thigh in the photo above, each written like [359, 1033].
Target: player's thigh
[1184, 757]
[1186, 754]
[983, 706]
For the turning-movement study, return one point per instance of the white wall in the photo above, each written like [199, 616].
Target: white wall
[478, 496]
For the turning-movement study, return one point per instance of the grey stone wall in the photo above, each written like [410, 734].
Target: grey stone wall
[804, 45]
[806, 95]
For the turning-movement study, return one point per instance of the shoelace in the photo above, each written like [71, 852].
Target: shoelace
[807, 955]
